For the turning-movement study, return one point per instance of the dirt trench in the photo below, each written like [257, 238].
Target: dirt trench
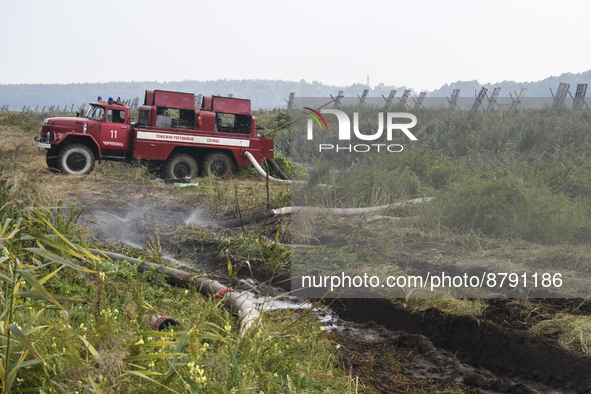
[492, 358]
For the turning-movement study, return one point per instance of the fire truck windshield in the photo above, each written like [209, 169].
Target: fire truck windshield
[95, 112]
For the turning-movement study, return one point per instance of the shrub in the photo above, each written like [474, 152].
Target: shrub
[507, 207]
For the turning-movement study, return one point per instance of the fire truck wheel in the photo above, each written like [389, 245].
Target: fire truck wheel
[218, 164]
[180, 165]
[51, 158]
[76, 159]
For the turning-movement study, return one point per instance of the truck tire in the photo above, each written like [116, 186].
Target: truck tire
[218, 164]
[76, 159]
[51, 158]
[180, 165]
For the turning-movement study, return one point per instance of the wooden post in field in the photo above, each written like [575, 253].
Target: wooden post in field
[419, 102]
[560, 95]
[516, 101]
[337, 100]
[363, 97]
[404, 97]
[579, 99]
[453, 101]
[492, 101]
[478, 100]
[290, 104]
[390, 98]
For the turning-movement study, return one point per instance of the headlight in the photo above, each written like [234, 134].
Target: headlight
[47, 135]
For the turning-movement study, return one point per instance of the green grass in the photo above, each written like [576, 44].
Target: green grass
[457, 306]
[72, 322]
[574, 332]
[506, 206]
[509, 193]
[496, 182]
[103, 342]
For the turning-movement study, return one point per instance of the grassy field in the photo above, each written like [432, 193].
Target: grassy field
[509, 194]
[72, 322]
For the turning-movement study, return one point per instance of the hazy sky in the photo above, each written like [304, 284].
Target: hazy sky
[420, 44]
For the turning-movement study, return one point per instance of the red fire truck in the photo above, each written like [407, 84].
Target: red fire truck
[210, 140]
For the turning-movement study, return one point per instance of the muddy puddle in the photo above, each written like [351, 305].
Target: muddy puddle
[389, 347]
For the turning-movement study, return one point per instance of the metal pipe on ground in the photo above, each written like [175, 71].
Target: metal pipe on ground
[345, 211]
[264, 174]
[247, 218]
[249, 315]
[262, 214]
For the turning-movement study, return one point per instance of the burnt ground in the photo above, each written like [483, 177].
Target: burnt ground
[390, 348]
[477, 355]
[397, 361]
[393, 349]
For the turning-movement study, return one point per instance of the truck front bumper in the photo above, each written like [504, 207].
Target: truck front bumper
[44, 145]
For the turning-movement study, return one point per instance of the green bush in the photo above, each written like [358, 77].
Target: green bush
[375, 183]
[507, 207]
[291, 169]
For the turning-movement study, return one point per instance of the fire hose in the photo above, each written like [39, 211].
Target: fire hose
[235, 302]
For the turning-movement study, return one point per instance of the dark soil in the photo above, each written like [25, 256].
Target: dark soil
[396, 362]
[486, 356]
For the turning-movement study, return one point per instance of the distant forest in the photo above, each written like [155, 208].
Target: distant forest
[262, 93]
